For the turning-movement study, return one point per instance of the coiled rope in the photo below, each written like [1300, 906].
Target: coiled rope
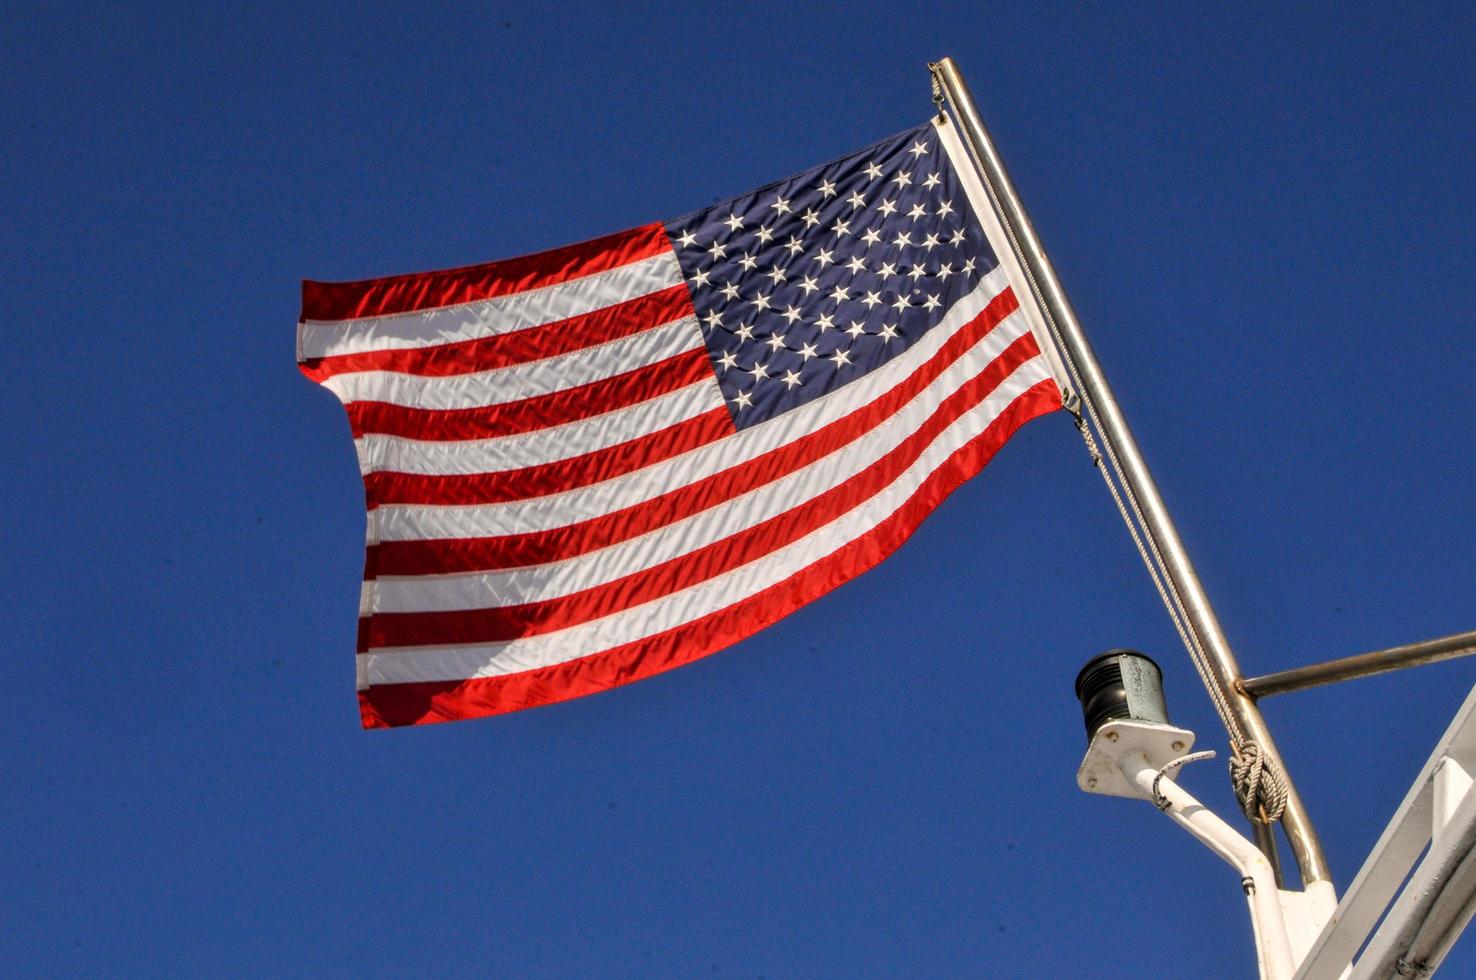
[1259, 786]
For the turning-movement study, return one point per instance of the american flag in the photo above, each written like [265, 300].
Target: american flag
[589, 465]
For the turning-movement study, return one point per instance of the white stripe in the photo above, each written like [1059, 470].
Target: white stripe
[514, 452]
[999, 243]
[411, 664]
[519, 381]
[489, 317]
[412, 522]
[508, 587]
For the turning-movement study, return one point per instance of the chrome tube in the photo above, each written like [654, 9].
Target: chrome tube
[1159, 526]
[1362, 665]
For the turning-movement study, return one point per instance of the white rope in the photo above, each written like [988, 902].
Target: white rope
[1258, 785]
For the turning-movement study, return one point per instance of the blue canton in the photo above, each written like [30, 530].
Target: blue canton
[810, 283]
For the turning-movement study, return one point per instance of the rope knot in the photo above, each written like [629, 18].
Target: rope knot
[1259, 786]
[937, 90]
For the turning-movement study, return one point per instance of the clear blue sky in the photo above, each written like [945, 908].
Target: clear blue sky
[1264, 219]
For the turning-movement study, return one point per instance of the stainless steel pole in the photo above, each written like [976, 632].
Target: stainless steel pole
[1362, 665]
[1159, 526]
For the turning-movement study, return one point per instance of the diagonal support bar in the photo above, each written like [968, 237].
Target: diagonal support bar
[1362, 665]
[1438, 893]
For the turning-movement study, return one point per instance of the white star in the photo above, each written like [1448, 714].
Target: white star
[856, 201]
[794, 245]
[806, 352]
[764, 235]
[717, 251]
[917, 212]
[827, 189]
[840, 359]
[744, 331]
[901, 304]
[758, 371]
[887, 207]
[839, 293]
[887, 269]
[873, 171]
[809, 285]
[811, 218]
[917, 273]
[792, 314]
[840, 227]
[932, 181]
[888, 332]
[856, 264]
[743, 400]
[957, 237]
[733, 222]
[791, 378]
[775, 341]
[931, 303]
[871, 237]
[713, 320]
[747, 261]
[700, 279]
[929, 242]
[825, 321]
[968, 266]
[727, 360]
[777, 274]
[856, 329]
[944, 271]
[872, 299]
[902, 179]
[902, 240]
[761, 301]
[780, 205]
[918, 148]
[944, 209]
[686, 238]
[729, 291]
[824, 258]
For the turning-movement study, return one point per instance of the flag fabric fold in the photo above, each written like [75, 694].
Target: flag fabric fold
[592, 464]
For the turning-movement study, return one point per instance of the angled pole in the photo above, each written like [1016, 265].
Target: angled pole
[1362, 665]
[1159, 527]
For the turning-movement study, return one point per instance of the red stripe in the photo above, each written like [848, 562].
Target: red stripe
[530, 414]
[517, 346]
[391, 705]
[371, 569]
[534, 618]
[537, 548]
[429, 290]
[546, 478]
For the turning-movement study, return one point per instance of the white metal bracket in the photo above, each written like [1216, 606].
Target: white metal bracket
[1132, 759]
[1415, 928]
[1100, 772]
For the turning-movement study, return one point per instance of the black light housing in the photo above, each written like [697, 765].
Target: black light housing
[1120, 684]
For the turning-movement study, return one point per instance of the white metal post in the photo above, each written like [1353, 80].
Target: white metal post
[1273, 945]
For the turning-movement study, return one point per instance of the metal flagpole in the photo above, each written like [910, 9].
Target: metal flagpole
[1217, 662]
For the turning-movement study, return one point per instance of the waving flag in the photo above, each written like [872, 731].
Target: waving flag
[589, 465]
